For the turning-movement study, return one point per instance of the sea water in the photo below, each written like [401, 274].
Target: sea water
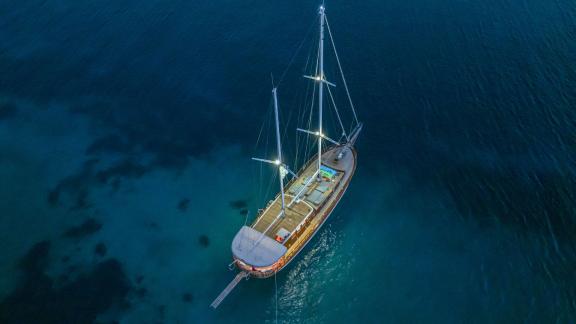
[126, 129]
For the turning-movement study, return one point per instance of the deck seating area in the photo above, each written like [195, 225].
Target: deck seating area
[311, 199]
[294, 215]
[316, 197]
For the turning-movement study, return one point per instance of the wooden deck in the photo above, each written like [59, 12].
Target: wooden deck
[294, 215]
[312, 201]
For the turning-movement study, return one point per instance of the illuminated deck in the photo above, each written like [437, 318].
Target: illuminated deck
[312, 200]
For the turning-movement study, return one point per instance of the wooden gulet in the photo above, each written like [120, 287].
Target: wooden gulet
[304, 203]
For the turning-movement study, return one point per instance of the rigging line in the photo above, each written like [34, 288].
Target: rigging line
[265, 123]
[307, 145]
[351, 126]
[286, 149]
[307, 115]
[332, 121]
[305, 104]
[304, 99]
[296, 52]
[341, 72]
[272, 180]
[260, 176]
[310, 87]
[299, 120]
[246, 219]
[301, 116]
[257, 179]
[276, 290]
[337, 114]
[266, 193]
[260, 133]
[260, 186]
[333, 124]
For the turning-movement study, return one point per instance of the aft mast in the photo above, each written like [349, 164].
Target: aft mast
[283, 169]
[279, 147]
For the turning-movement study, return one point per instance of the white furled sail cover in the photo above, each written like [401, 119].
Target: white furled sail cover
[264, 253]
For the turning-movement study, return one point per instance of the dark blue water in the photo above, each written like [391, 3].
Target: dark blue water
[126, 130]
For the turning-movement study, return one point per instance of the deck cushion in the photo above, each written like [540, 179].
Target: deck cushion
[315, 197]
[327, 172]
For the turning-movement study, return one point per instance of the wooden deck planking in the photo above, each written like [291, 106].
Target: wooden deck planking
[294, 215]
[298, 211]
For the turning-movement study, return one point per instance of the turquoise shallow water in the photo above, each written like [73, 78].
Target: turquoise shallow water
[126, 130]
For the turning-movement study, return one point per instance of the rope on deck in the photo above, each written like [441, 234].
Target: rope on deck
[241, 275]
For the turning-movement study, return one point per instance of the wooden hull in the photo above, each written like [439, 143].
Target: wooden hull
[316, 219]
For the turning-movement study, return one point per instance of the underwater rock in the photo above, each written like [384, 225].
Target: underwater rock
[162, 310]
[244, 212]
[37, 299]
[239, 204]
[126, 169]
[81, 201]
[90, 226]
[74, 187]
[53, 197]
[36, 258]
[141, 292]
[100, 249]
[187, 297]
[63, 277]
[204, 240]
[72, 268]
[106, 285]
[153, 225]
[109, 144]
[125, 305]
[7, 110]
[183, 204]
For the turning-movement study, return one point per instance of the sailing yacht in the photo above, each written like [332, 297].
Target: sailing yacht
[289, 221]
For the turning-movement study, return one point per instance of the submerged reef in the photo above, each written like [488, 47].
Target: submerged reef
[183, 204]
[7, 110]
[88, 227]
[38, 299]
[239, 204]
[100, 249]
[187, 297]
[204, 241]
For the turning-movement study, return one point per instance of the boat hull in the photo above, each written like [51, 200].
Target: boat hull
[321, 215]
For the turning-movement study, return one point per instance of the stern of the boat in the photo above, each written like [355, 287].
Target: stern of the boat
[256, 253]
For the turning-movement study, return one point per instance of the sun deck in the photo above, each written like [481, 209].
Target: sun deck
[312, 196]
